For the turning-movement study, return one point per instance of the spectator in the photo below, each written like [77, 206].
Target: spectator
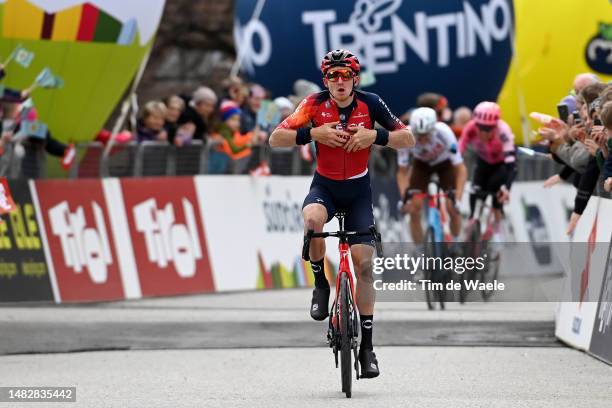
[285, 107]
[248, 118]
[437, 102]
[461, 117]
[232, 148]
[151, 124]
[606, 150]
[234, 90]
[199, 110]
[583, 80]
[175, 106]
[302, 88]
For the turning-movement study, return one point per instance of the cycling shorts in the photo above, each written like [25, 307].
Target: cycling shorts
[352, 196]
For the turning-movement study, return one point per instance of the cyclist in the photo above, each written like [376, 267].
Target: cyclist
[342, 128]
[436, 152]
[493, 141]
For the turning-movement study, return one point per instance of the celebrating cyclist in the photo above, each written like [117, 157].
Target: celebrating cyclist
[340, 120]
[493, 141]
[435, 152]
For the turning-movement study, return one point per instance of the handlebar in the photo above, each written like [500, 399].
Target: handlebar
[342, 235]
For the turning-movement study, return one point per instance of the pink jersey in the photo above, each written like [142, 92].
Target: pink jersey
[499, 149]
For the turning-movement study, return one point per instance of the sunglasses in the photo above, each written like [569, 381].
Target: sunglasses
[345, 74]
[485, 128]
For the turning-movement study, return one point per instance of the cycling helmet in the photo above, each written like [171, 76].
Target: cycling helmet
[487, 113]
[340, 58]
[423, 120]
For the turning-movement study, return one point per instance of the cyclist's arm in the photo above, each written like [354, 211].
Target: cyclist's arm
[403, 171]
[507, 138]
[286, 134]
[460, 179]
[466, 135]
[400, 135]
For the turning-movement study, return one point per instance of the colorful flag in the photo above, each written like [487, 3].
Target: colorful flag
[22, 56]
[47, 79]
[33, 128]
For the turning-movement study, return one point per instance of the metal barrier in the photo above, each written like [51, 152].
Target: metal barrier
[161, 159]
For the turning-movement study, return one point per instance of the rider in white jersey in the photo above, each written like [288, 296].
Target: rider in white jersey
[435, 151]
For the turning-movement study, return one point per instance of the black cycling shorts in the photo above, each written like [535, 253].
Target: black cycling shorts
[352, 196]
[490, 177]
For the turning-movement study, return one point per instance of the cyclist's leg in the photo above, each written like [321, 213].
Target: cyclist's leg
[317, 209]
[497, 178]
[448, 181]
[479, 182]
[419, 179]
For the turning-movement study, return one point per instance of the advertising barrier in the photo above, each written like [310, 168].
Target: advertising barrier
[23, 268]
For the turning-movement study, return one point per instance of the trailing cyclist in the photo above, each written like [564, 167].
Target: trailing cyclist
[493, 141]
[340, 120]
[435, 152]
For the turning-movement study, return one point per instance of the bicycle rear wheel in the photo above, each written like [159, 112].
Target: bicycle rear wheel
[346, 334]
[474, 247]
[489, 274]
[433, 249]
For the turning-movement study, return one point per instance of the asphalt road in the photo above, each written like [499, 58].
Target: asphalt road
[261, 349]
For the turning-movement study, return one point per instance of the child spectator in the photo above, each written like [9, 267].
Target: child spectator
[151, 124]
[232, 148]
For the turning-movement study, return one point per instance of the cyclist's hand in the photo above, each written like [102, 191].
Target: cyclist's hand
[503, 195]
[328, 135]
[362, 139]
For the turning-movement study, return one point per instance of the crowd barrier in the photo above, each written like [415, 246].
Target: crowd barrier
[89, 240]
[150, 159]
[587, 325]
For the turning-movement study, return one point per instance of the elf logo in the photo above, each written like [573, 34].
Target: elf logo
[598, 51]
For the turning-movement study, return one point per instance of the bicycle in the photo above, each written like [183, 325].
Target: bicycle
[343, 319]
[435, 238]
[477, 245]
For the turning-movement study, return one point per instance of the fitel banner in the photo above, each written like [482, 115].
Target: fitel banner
[84, 259]
[24, 275]
[167, 234]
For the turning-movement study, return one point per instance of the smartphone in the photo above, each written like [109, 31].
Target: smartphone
[577, 119]
[563, 111]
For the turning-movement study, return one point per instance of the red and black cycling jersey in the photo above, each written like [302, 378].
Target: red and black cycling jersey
[365, 110]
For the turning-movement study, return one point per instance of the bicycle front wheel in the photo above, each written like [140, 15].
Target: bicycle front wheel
[345, 336]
